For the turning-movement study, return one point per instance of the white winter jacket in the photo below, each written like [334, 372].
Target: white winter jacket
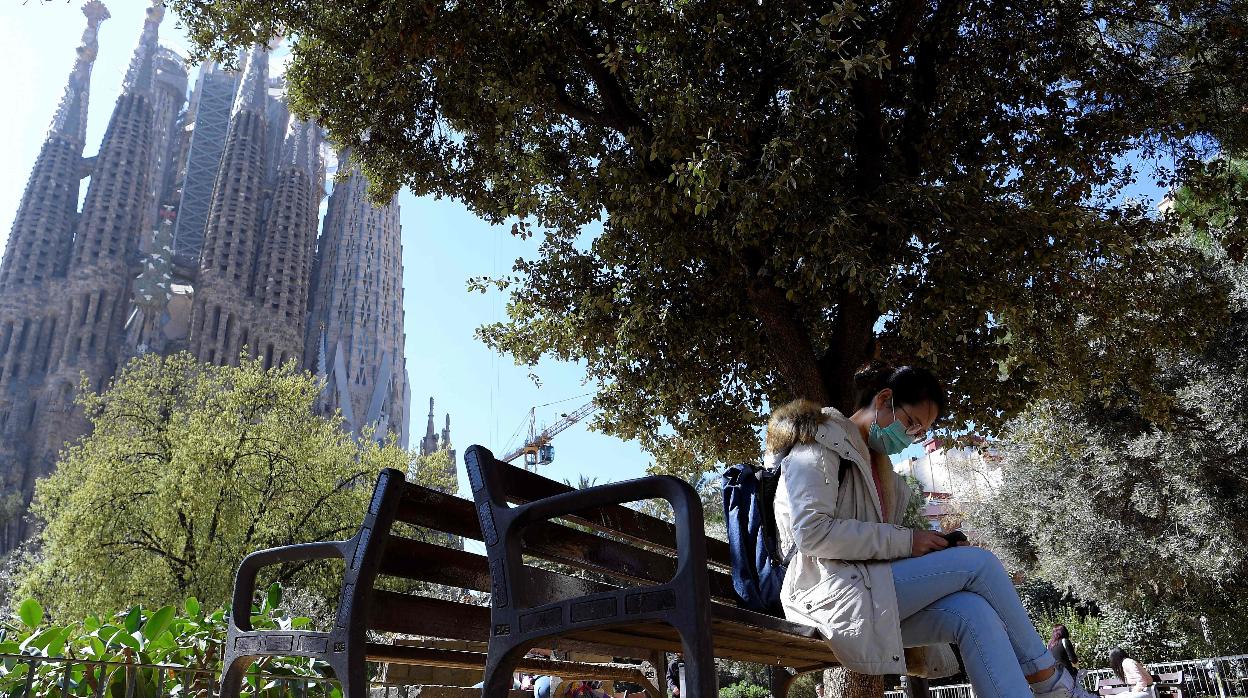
[840, 580]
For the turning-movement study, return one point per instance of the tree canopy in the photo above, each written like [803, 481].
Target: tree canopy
[740, 203]
[1140, 512]
[190, 467]
[1139, 516]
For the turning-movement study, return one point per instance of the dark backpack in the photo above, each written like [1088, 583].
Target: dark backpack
[758, 564]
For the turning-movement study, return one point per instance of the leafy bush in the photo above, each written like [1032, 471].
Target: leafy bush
[744, 689]
[187, 469]
[189, 637]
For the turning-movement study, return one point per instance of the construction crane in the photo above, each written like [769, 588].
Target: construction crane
[537, 449]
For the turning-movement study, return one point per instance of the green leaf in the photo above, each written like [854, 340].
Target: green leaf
[274, 597]
[133, 618]
[40, 640]
[56, 643]
[192, 606]
[130, 640]
[31, 613]
[158, 623]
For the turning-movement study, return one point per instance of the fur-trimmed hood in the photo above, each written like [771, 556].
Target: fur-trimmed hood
[805, 422]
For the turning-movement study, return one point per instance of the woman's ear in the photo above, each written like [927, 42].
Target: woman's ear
[882, 398]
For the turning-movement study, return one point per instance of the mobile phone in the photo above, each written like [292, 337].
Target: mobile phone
[955, 537]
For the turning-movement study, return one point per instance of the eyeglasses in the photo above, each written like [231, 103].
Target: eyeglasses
[915, 429]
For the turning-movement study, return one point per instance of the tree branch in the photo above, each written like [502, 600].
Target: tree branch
[616, 101]
[934, 51]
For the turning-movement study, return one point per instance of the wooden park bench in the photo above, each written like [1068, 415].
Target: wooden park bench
[630, 585]
[1168, 685]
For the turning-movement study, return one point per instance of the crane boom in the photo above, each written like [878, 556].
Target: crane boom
[536, 441]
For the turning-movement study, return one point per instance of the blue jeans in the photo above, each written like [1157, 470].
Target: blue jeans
[964, 596]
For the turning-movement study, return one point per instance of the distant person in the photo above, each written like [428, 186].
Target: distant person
[544, 686]
[1063, 650]
[673, 676]
[1131, 672]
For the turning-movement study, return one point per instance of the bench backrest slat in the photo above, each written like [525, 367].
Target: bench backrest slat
[413, 559]
[588, 551]
[523, 486]
[555, 542]
[421, 615]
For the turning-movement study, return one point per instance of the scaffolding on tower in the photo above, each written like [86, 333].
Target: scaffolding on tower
[537, 449]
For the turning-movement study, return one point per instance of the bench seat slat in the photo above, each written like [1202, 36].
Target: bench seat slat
[458, 659]
[737, 634]
[729, 637]
[636, 635]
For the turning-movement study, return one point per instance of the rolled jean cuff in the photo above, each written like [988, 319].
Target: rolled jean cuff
[1038, 663]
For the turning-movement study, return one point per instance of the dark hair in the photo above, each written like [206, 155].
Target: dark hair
[1059, 633]
[1116, 658]
[911, 385]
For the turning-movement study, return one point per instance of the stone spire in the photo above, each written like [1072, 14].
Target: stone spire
[219, 328]
[43, 229]
[429, 443]
[98, 294]
[112, 216]
[141, 73]
[253, 88]
[446, 432]
[70, 119]
[284, 268]
[357, 307]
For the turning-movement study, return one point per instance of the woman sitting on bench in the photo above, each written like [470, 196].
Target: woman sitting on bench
[1132, 673]
[873, 586]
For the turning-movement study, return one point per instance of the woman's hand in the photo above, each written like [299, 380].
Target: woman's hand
[924, 542]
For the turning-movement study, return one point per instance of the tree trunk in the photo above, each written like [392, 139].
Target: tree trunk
[788, 341]
[852, 344]
[843, 683]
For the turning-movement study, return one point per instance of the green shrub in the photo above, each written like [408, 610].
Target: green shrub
[187, 637]
[744, 689]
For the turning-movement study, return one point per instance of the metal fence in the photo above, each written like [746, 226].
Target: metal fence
[962, 690]
[1219, 677]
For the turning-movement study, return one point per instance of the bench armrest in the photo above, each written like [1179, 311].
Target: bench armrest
[245, 581]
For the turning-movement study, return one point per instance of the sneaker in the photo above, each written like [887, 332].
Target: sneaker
[1068, 687]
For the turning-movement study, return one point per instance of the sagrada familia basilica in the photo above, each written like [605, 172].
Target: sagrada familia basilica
[198, 232]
